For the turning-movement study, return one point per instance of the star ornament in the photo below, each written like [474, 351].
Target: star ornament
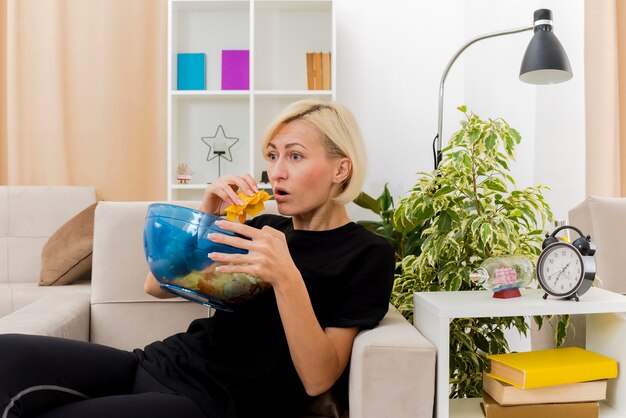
[220, 145]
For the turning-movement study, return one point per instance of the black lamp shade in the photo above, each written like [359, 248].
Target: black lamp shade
[545, 60]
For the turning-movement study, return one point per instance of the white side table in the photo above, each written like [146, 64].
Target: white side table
[606, 333]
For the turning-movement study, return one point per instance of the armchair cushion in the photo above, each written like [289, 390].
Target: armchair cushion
[66, 256]
[392, 371]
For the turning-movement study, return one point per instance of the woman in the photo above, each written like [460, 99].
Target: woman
[329, 279]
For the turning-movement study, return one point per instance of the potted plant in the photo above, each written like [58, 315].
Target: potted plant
[453, 219]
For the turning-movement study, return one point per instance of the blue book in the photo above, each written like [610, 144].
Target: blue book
[191, 69]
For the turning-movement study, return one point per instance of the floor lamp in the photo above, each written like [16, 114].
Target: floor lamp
[545, 62]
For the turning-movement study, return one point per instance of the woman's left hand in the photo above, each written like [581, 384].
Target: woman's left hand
[268, 256]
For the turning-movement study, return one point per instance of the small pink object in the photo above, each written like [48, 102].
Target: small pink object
[506, 277]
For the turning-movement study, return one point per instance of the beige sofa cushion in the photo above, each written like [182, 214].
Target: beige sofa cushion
[23, 294]
[66, 317]
[29, 215]
[119, 264]
[38, 211]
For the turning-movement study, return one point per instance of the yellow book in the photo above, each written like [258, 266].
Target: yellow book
[534, 369]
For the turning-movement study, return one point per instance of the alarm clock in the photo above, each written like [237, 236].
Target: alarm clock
[566, 270]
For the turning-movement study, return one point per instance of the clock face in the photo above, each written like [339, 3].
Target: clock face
[560, 269]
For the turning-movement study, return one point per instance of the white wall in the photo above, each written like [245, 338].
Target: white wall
[390, 59]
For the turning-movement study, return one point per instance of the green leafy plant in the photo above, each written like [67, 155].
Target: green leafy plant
[453, 219]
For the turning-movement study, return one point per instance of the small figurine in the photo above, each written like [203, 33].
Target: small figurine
[504, 275]
[183, 173]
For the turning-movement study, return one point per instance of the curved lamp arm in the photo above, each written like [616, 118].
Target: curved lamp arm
[437, 150]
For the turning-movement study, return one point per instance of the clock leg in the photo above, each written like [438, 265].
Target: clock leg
[545, 296]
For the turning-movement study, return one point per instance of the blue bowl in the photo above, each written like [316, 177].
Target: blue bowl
[177, 248]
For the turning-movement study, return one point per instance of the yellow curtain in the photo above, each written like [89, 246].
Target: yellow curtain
[84, 95]
[605, 91]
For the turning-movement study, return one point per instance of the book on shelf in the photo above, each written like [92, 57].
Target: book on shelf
[310, 71]
[318, 70]
[557, 366]
[505, 394]
[491, 409]
[317, 63]
[326, 71]
[191, 71]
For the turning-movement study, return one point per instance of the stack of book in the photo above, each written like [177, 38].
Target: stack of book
[318, 70]
[562, 382]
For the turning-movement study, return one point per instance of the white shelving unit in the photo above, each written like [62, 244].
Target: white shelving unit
[278, 35]
[606, 333]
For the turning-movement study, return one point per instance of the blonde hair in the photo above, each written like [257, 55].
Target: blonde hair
[339, 133]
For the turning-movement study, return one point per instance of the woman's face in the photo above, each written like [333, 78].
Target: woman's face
[302, 176]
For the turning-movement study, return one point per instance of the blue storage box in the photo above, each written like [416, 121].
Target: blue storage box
[191, 71]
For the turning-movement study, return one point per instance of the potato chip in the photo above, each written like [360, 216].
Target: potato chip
[252, 205]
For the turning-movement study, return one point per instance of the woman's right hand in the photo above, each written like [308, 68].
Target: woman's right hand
[223, 192]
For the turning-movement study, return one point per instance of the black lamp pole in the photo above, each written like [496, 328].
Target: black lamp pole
[545, 62]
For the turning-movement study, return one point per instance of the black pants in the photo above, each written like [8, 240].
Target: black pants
[53, 377]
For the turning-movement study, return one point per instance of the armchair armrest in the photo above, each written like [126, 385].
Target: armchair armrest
[392, 371]
[66, 317]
